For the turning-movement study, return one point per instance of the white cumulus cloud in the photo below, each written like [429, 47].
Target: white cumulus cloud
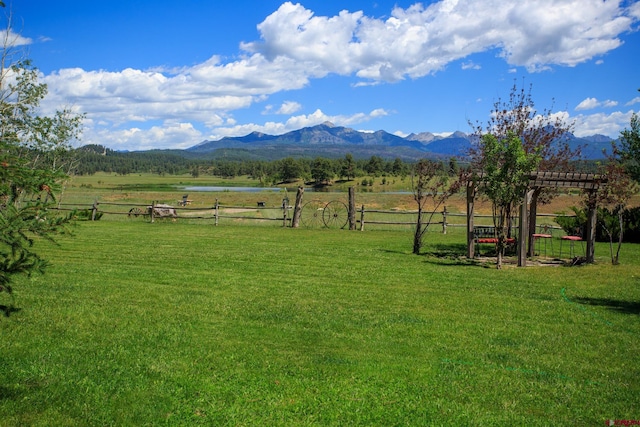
[591, 103]
[296, 46]
[420, 40]
[602, 123]
[633, 101]
[289, 107]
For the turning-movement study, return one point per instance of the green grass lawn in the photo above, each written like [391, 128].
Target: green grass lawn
[179, 323]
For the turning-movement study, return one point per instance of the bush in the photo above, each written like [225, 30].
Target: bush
[577, 223]
[85, 215]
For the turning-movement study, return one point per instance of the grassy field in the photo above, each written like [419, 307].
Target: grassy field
[185, 323]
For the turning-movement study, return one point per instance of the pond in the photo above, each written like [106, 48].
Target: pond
[255, 189]
[232, 189]
[328, 189]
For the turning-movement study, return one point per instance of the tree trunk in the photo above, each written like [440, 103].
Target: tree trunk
[620, 235]
[417, 237]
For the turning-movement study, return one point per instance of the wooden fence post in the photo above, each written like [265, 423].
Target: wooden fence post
[297, 209]
[444, 220]
[285, 208]
[215, 212]
[94, 210]
[352, 208]
[362, 219]
[471, 195]
[153, 211]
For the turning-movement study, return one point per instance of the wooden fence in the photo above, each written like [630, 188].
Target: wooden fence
[357, 219]
[156, 210]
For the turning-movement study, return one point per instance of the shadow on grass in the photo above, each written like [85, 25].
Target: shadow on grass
[9, 393]
[624, 307]
[449, 254]
[8, 309]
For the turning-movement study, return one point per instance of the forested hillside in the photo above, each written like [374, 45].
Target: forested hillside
[94, 158]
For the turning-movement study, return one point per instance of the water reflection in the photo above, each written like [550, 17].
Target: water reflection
[232, 189]
[325, 189]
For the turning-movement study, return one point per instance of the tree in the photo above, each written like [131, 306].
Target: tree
[454, 168]
[33, 162]
[543, 134]
[348, 169]
[322, 170]
[374, 166]
[290, 169]
[619, 172]
[429, 183]
[615, 196]
[630, 148]
[398, 168]
[506, 170]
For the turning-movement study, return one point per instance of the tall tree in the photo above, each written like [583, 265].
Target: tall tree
[614, 195]
[506, 170]
[430, 184]
[322, 170]
[630, 148]
[33, 162]
[348, 167]
[620, 170]
[290, 169]
[374, 166]
[544, 134]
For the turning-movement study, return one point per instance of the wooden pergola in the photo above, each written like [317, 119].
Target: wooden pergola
[528, 210]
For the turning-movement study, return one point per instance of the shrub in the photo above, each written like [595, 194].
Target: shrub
[577, 223]
[85, 215]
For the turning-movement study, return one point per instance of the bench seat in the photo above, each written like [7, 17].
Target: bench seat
[494, 240]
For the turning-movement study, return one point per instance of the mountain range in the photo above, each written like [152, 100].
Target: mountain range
[328, 140]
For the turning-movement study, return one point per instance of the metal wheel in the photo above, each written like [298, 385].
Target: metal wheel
[135, 212]
[311, 215]
[335, 214]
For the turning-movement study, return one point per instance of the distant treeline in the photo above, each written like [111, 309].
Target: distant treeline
[95, 158]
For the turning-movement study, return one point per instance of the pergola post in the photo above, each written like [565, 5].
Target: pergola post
[590, 232]
[533, 214]
[471, 195]
[523, 230]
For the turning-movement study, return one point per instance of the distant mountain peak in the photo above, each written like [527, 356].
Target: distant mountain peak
[329, 139]
[457, 134]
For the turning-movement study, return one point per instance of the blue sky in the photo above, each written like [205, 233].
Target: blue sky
[160, 74]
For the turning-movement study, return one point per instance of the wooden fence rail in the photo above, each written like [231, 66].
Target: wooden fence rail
[219, 211]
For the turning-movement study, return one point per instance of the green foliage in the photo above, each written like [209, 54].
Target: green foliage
[573, 225]
[506, 170]
[348, 167]
[630, 148]
[607, 219]
[33, 162]
[322, 170]
[87, 214]
[375, 166]
[290, 169]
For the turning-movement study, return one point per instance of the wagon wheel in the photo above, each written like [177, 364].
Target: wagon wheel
[311, 214]
[335, 214]
[135, 212]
